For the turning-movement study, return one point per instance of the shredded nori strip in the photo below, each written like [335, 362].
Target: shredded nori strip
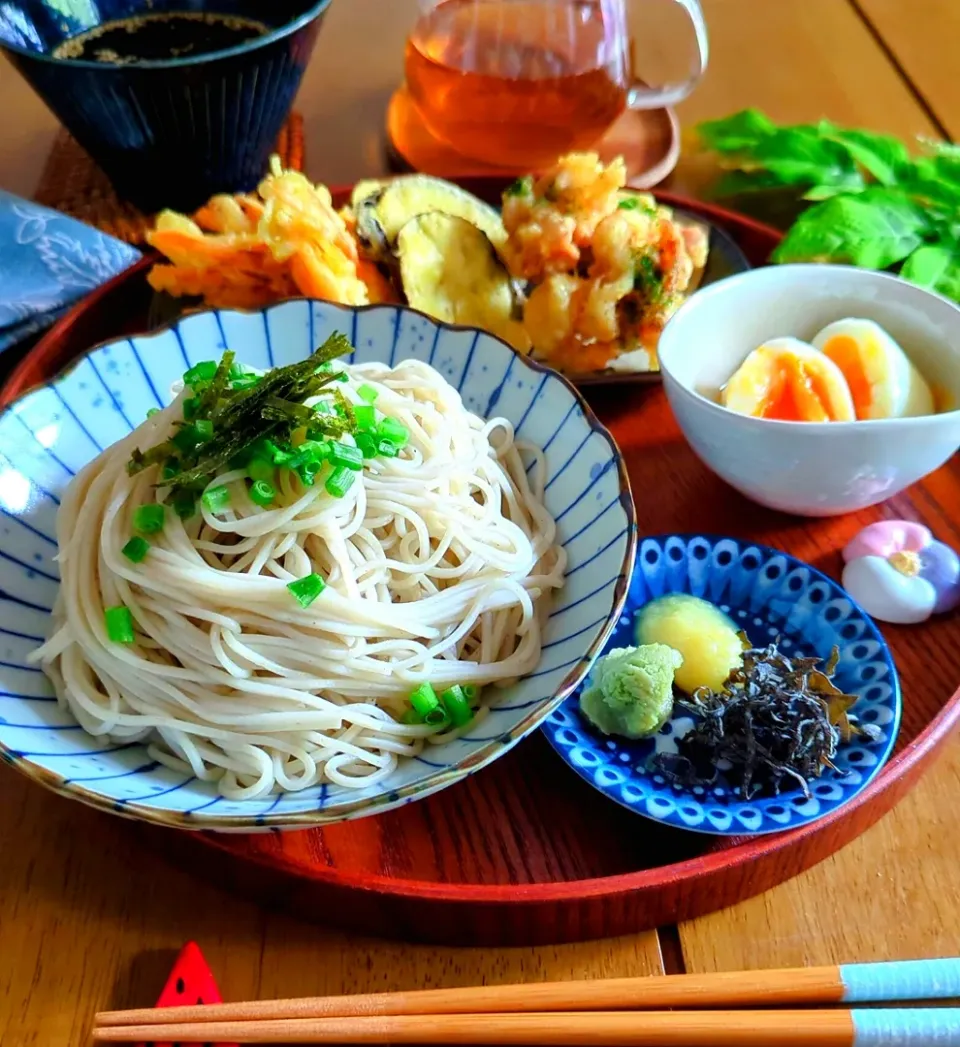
[777, 722]
[273, 408]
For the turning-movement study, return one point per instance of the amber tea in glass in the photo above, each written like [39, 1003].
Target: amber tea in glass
[516, 83]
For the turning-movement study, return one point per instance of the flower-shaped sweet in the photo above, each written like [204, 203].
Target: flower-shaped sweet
[898, 572]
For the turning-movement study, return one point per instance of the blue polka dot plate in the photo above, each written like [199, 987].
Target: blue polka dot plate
[55, 429]
[769, 594]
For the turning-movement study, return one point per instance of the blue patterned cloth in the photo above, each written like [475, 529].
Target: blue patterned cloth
[47, 263]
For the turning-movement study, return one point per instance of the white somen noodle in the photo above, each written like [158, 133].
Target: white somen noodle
[438, 563]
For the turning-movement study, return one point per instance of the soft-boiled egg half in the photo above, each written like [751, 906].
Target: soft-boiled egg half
[882, 381]
[853, 370]
[789, 381]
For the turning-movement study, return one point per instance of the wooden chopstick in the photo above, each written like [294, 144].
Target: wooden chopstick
[834, 1027]
[850, 983]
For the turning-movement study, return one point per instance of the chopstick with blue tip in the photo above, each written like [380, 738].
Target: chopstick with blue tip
[849, 984]
[836, 1027]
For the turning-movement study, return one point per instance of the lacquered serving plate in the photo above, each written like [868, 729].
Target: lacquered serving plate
[526, 851]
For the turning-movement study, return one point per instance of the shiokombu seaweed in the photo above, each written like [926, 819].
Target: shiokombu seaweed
[777, 723]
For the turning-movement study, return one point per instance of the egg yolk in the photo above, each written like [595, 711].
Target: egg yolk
[846, 353]
[788, 384]
[796, 394]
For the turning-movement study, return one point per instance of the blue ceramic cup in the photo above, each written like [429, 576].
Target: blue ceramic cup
[172, 132]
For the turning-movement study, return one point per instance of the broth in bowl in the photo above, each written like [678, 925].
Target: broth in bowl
[155, 37]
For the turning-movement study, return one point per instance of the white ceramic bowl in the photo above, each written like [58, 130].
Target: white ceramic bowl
[55, 429]
[810, 468]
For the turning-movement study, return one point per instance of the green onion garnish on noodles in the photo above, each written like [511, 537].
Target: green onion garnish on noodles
[260, 469]
[200, 372]
[204, 429]
[216, 499]
[119, 624]
[424, 699]
[368, 393]
[184, 504]
[386, 449]
[367, 443]
[394, 431]
[186, 440]
[307, 589]
[148, 519]
[245, 381]
[340, 481]
[456, 704]
[344, 454]
[437, 717]
[366, 416]
[151, 411]
[136, 549]
[470, 691]
[262, 492]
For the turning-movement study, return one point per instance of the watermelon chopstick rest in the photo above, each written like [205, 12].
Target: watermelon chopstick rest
[191, 982]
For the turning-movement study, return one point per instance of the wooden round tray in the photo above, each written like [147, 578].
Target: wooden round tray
[524, 851]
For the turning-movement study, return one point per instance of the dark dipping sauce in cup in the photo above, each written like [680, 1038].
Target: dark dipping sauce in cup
[156, 37]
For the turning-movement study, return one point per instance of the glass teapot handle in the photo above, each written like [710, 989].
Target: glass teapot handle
[641, 96]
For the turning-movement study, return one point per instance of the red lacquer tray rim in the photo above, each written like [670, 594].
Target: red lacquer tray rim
[44, 360]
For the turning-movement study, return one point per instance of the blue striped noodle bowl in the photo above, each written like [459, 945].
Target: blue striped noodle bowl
[54, 430]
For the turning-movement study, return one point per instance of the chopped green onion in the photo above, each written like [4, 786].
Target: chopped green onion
[190, 406]
[344, 454]
[437, 717]
[411, 716]
[424, 698]
[136, 549]
[204, 428]
[387, 449]
[307, 471]
[186, 439]
[216, 499]
[170, 469]
[262, 492]
[456, 704]
[367, 444]
[319, 449]
[470, 691]
[260, 469]
[322, 407]
[245, 381]
[307, 589]
[148, 519]
[119, 624]
[201, 372]
[184, 504]
[631, 203]
[368, 393]
[276, 454]
[340, 481]
[343, 377]
[151, 411]
[394, 431]
[366, 416]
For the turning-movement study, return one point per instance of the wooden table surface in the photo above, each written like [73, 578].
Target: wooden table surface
[87, 920]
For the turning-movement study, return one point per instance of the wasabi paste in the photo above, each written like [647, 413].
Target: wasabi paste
[631, 690]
